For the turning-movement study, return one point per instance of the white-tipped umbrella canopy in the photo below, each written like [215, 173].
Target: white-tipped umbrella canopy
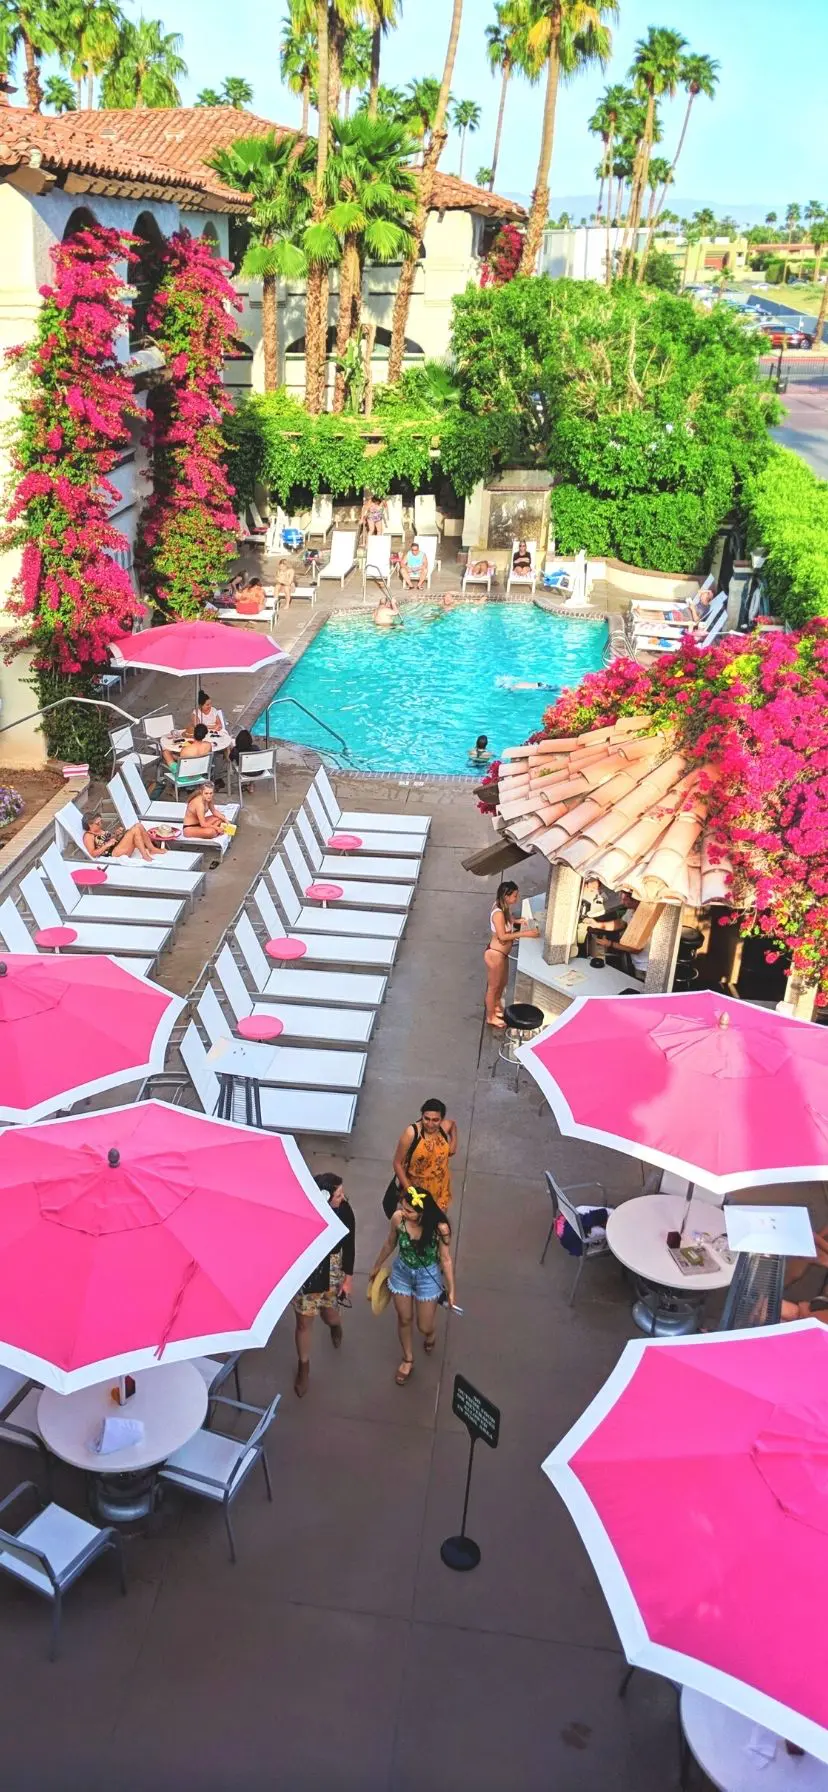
[194, 649]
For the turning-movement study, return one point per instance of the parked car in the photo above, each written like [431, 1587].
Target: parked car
[783, 337]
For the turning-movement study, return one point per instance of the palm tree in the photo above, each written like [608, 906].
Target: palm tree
[37, 28]
[699, 74]
[565, 35]
[655, 71]
[356, 63]
[316, 295]
[823, 313]
[299, 63]
[505, 48]
[236, 92]
[145, 67]
[392, 103]
[59, 93]
[422, 101]
[90, 33]
[819, 238]
[604, 124]
[373, 193]
[209, 96]
[792, 218]
[425, 189]
[484, 178]
[276, 173]
[465, 117]
[383, 15]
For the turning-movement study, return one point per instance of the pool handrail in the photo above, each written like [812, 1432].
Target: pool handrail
[343, 744]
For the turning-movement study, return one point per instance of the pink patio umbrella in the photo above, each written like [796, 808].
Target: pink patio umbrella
[145, 1233]
[72, 1027]
[726, 1094]
[192, 649]
[698, 1479]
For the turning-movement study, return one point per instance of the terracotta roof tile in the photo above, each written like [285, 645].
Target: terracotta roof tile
[618, 804]
[454, 195]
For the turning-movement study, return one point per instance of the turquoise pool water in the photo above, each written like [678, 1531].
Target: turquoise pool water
[414, 698]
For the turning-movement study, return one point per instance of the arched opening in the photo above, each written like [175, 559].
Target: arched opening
[146, 273]
[80, 219]
[210, 235]
[382, 344]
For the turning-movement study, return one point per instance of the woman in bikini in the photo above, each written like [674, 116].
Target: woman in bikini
[422, 1270]
[505, 930]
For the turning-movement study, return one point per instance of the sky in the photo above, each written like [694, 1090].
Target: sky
[756, 145]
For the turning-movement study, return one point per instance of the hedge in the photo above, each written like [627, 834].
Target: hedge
[787, 510]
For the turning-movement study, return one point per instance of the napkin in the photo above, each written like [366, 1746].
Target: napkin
[118, 1434]
[761, 1746]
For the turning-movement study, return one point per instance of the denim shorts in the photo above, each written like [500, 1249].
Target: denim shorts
[424, 1283]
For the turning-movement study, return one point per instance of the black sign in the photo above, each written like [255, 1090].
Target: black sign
[479, 1416]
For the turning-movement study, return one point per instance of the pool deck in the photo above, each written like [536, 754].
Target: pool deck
[340, 1651]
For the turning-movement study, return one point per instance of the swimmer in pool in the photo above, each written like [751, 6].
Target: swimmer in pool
[523, 684]
[479, 754]
[386, 613]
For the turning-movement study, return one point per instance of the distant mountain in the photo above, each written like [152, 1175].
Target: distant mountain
[581, 205]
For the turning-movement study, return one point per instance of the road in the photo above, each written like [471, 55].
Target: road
[805, 428]
[799, 320]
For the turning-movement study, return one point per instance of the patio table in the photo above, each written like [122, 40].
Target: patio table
[220, 742]
[637, 1236]
[171, 1401]
[718, 1739]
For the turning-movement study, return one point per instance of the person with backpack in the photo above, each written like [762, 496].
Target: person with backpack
[421, 1159]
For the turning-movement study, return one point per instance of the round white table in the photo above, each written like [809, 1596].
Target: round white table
[718, 1739]
[171, 1402]
[637, 1236]
[220, 742]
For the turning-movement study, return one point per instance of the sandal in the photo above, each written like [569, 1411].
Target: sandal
[429, 1343]
[404, 1372]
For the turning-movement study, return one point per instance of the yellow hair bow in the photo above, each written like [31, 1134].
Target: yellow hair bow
[415, 1197]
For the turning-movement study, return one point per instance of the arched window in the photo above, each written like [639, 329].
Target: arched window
[146, 274]
[80, 219]
[382, 344]
[210, 235]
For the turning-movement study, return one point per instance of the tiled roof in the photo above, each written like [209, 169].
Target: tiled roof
[617, 804]
[91, 143]
[169, 145]
[454, 195]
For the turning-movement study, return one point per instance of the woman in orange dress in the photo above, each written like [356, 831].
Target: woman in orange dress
[421, 1159]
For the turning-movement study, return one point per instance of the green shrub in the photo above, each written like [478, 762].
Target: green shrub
[787, 509]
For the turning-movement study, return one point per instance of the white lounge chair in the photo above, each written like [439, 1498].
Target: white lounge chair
[524, 581]
[16, 937]
[283, 1066]
[342, 558]
[93, 936]
[389, 841]
[175, 875]
[351, 864]
[283, 1110]
[323, 948]
[321, 518]
[260, 527]
[477, 578]
[429, 545]
[377, 561]
[98, 905]
[256, 767]
[122, 742]
[398, 821]
[338, 989]
[426, 521]
[396, 522]
[365, 895]
[300, 1020]
[147, 810]
[375, 924]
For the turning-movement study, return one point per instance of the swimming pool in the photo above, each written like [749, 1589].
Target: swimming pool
[414, 698]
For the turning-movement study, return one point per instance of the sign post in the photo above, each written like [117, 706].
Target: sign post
[482, 1420]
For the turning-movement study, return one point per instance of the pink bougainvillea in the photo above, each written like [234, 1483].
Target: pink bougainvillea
[504, 256]
[70, 596]
[756, 713]
[188, 527]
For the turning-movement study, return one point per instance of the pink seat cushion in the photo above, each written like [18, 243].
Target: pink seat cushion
[345, 842]
[285, 949]
[55, 936]
[89, 874]
[260, 1026]
[324, 892]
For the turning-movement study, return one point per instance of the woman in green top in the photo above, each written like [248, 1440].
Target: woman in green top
[422, 1271]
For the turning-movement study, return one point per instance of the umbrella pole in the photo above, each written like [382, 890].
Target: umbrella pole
[690, 1188]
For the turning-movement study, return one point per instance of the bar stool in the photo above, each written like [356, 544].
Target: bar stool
[523, 1022]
